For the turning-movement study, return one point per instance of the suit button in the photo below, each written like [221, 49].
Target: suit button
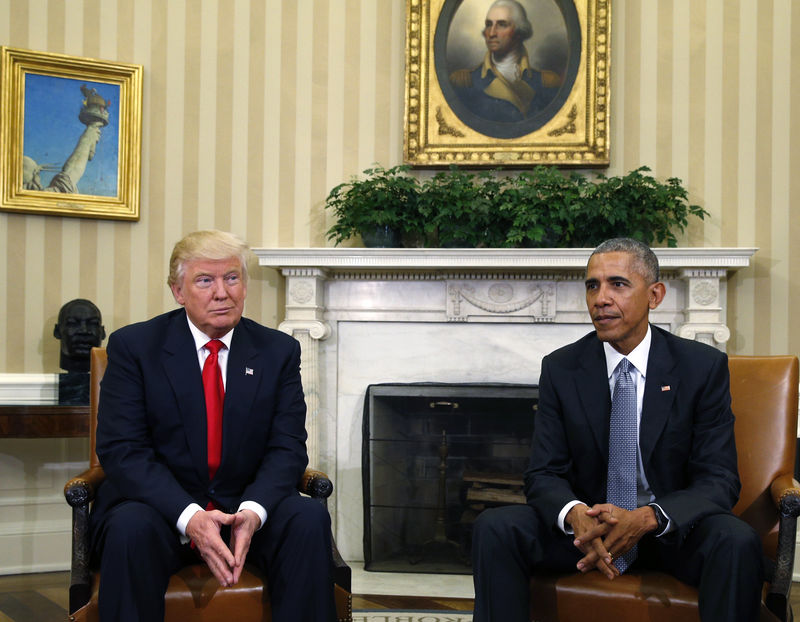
[212, 492]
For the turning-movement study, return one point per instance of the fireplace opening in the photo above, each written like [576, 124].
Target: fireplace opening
[434, 456]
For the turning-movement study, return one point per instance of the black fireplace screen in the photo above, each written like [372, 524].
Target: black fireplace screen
[434, 456]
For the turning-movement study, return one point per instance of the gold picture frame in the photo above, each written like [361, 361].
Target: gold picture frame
[70, 135]
[450, 119]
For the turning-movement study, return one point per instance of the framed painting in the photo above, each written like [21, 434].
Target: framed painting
[70, 135]
[507, 82]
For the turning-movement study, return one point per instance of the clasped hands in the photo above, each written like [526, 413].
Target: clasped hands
[605, 531]
[226, 563]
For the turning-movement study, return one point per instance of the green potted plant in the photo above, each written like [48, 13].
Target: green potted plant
[459, 209]
[636, 205]
[379, 208]
[550, 209]
[542, 207]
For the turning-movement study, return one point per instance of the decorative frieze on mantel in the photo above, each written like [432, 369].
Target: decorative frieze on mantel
[504, 298]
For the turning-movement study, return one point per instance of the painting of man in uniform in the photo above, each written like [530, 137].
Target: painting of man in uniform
[506, 66]
[71, 136]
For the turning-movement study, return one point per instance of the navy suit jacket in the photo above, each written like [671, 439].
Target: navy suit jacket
[685, 435]
[151, 431]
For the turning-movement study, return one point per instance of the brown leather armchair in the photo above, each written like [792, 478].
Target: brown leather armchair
[764, 390]
[193, 593]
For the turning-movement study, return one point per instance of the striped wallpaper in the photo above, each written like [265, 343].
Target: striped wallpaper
[254, 109]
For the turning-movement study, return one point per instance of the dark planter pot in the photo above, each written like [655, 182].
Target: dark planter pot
[381, 237]
[413, 239]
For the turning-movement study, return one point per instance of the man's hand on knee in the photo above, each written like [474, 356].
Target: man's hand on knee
[245, 523]
[203, 528]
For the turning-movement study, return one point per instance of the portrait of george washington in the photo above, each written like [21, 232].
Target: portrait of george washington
[506, 66]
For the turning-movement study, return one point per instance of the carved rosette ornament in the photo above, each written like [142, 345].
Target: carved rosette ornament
[705, 292]
[301, 292]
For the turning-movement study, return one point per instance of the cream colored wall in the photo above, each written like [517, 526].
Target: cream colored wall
[254, 109]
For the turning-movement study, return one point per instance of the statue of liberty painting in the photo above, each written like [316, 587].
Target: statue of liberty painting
[52, 109]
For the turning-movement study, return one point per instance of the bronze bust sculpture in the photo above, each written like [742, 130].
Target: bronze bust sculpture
[80, 328]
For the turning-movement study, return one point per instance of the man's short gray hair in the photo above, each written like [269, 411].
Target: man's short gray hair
[522, 25]
[645, 261]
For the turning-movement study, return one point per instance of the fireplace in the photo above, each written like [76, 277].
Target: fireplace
[433, 457]
[371, 316]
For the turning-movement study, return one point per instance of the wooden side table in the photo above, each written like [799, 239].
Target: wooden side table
[24, 421]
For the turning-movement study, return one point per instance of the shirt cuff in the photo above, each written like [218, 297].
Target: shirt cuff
[184, 518]
[257, 508]
[562, 515]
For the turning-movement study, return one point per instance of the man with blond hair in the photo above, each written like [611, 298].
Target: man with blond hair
[201, 433]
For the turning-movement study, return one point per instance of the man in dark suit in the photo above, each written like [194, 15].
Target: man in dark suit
[683, 471]
[174, 490]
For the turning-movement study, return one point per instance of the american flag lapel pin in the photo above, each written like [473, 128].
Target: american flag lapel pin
[248, 371]
[665, 387]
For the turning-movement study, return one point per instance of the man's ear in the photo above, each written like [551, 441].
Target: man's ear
[57, 332]
[656, 295]
[176, 292]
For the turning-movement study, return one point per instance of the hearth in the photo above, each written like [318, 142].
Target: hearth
[433, 457]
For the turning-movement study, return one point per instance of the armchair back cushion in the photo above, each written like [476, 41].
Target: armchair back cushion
[764, 402]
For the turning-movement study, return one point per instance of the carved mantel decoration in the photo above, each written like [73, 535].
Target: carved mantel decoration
[508, 297]
[367, 315]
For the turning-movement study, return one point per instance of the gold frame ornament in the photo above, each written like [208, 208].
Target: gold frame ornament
[117, 120]
[571, 128]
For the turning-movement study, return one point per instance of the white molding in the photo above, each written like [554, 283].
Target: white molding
[19, 529]
[485, 258]
[52, 566]
[53, 498]
[39, 551]
[28, 389]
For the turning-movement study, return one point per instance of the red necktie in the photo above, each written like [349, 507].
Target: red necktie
[215, 395]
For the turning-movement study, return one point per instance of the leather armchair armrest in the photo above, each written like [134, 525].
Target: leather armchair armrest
[785, 492]
[316, 484]
[80, 490]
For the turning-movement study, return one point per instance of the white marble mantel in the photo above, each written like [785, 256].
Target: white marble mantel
[365, 315]
[402, 259]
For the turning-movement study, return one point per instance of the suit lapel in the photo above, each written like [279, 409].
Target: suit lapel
[591, 386]
[183, 372]
[243, 378]
[660, 389]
